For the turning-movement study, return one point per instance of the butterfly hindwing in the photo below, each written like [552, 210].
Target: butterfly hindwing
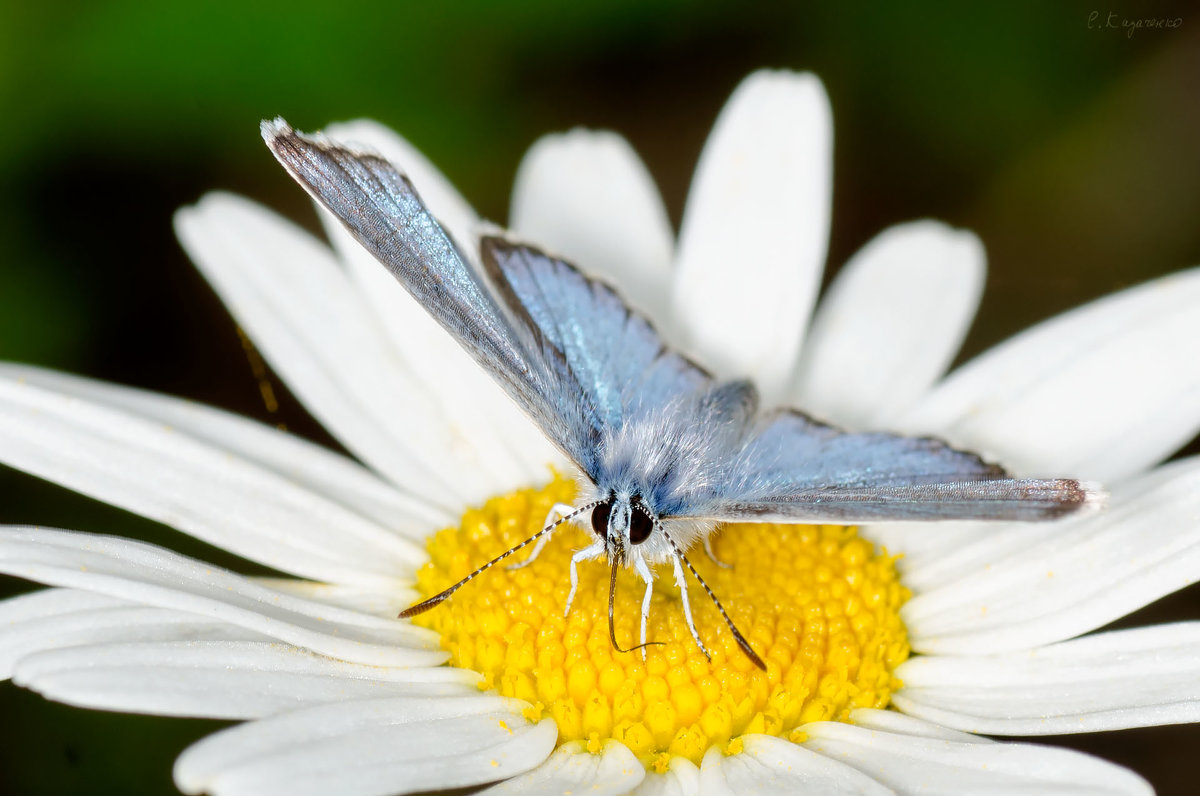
[608, 358]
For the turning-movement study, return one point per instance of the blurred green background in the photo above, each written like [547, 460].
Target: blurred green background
[1072, 151]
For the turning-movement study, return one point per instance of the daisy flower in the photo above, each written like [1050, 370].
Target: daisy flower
[890, 650]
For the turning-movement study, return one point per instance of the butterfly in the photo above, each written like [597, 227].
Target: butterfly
[666, 450]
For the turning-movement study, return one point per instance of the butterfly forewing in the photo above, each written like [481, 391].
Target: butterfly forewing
[793, 468]
[379, 206]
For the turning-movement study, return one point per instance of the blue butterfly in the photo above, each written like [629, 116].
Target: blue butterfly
[668, 450]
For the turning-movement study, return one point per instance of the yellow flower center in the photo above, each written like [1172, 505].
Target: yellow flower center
[817, 603]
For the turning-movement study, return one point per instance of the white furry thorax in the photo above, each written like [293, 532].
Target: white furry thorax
[655, 461]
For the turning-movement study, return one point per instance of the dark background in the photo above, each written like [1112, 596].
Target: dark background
[1071, 150]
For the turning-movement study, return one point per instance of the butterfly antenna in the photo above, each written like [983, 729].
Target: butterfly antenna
[444, 595]
[741, 640]
[612, 596]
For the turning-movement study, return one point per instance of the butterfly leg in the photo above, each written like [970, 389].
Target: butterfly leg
[639, 564]
[594, 550]
[687, 608]
[556, 514]
[708, 549]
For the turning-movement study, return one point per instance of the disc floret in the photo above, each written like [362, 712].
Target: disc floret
[818, 603]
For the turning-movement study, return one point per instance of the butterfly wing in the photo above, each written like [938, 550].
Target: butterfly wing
[583, 366]
[563, 346]
[793, 469]
[788, 467]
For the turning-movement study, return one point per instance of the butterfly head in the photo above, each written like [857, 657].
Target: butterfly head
[623, 522]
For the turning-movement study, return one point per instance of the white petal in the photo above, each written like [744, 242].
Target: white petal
[769, 765]
[315, 330]
[890, 324]
[891, 721]
[58, 618]
[964, 547]
[398, 745]
[92, 650]
[572, 769]
[1083, 574]
[311, 466]
[149, 575]
[386, 603]
[1100, 392]
[220, 679]
[587, 196]
[164, 473]
[45, 603]
[681, 779]
[488, 431]
[918, 542]
[1109, 681]
[755, 230]
[912, 764]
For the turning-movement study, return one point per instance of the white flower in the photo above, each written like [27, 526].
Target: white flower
[338, 696]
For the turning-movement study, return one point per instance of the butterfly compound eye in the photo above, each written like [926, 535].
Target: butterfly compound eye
[640, 526]
[600, 519]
